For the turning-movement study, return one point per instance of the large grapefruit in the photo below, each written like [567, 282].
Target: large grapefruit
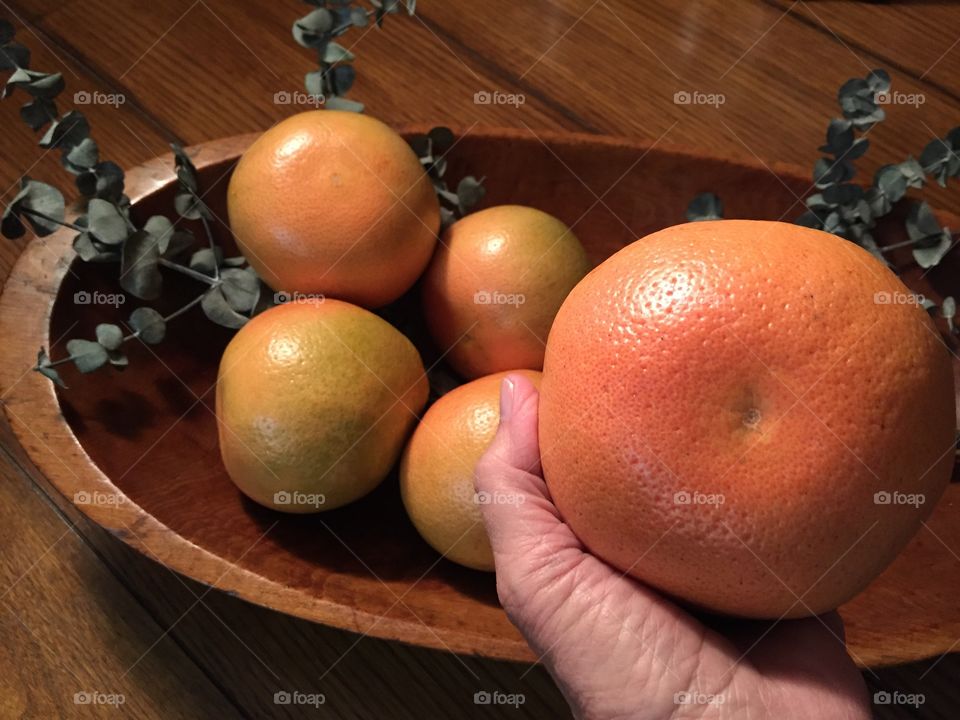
[753, 417]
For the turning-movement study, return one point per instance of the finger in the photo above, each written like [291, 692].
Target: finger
[524, 527]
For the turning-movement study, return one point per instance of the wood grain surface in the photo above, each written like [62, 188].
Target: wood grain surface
[83, 613]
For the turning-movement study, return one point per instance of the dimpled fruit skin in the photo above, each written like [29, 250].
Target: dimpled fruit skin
[334, 203]
[750, 361]
[299, 389]
[489, 255]
[438, 465]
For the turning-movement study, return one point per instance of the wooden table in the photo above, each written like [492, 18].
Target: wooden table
[83, 613]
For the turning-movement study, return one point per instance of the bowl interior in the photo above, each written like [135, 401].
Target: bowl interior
[151, 427]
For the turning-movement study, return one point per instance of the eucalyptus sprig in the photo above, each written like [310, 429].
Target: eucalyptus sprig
[106, 232]
[844, 208]
[432, 150]
[319, 29]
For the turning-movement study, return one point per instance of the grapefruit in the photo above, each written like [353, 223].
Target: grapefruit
[334, 203]
[753, 417]
[495, 284]
[437, 470]
[314, 403]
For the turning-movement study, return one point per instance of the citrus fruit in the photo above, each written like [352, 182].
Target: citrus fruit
[437, 470]
[495, 284]
[314, 402]
[334, 203]
[753, 417]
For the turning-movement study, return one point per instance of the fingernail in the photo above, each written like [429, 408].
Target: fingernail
[507, 391]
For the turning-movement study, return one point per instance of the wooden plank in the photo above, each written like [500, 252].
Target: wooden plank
[69, 626]
[234, 59]
[618, 64]
[929, 51]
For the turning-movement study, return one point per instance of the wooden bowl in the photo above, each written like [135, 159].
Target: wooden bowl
[136, 450]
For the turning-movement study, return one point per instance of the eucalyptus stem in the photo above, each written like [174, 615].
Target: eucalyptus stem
[189, 272]
[55, 221]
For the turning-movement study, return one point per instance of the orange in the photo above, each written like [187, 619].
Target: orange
[753, 417]
[314, 403]
[437, 470]
[495, 284]
[334, 203]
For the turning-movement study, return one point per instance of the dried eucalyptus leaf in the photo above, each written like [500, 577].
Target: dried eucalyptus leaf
[922, 223]
[317, 22]
[14, 55]
[6, 35]
[470, 192]
[878, 80]
[149, 325]
[68, 131]
[81, 157]
[859, 147]
[358, 16]
[118, 359]
[106, 223]
[87, 355]
[109, 335]
[334, 53]
[218, 310]
[41, 205]
[109, 181]
[891, 182]
[928, 257]
[237, 261]
[338, 103]
[314, 82]
[44, 85]
[842, 194]
[809, 219]
[948, 308]
[839, 137]
[705, 206]
[342, 77]
[38, 112]
[51, 374]
[240, 288]
[139, 271]
[188, 206]
[206, 260]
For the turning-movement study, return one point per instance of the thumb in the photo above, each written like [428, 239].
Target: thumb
[525, 529]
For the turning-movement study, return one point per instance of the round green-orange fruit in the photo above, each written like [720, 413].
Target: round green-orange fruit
[314, 402]
[334, 203]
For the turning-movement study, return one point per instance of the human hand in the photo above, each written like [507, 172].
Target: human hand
[618, 649]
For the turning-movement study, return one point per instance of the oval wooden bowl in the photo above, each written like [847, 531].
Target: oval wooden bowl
[142, 443]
